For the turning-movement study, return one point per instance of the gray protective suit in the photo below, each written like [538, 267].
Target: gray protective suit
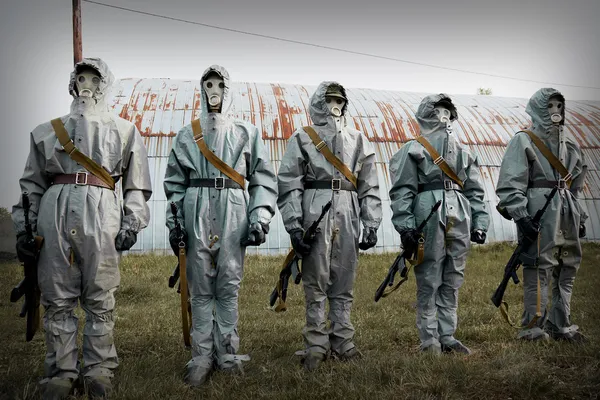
[214, 274]
[330, 268]
[560, 249]
[79, 224]
[447, 234]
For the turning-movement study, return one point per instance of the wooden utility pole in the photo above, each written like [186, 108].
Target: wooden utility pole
[77, 46]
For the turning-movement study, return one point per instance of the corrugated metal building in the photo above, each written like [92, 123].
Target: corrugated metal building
[160, 107]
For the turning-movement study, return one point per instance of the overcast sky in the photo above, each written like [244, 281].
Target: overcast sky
[542, 40]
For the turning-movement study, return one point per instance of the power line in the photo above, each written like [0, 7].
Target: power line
[333, 48]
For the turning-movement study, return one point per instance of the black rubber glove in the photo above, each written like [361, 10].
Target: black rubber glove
[582, 230]
[528, 228]
[298, 243]
[478, 236]
[369, 238]
[26, 251]
[125, 240]
[410, 241]
[256, 234]
[174, 241]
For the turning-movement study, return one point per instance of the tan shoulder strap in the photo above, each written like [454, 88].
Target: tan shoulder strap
[336, 162]
[546, 152]
[77, 156]
[212, 157]
[439, 161]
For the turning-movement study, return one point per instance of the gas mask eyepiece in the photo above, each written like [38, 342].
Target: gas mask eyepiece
[87, 82]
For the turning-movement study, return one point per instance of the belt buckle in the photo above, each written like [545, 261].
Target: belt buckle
[222, 181]
[85, 178]
[448, 184]
[336, 184]
[562, 184]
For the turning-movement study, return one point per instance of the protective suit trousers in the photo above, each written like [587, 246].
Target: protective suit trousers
[562, 264]
[214, 277]
[86, 270]
[328, 275]
[439, 277]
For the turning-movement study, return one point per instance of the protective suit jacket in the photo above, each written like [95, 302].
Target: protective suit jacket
[524, 166]
[330, 268]
[417, 184]
[215, 266]
[79, 223]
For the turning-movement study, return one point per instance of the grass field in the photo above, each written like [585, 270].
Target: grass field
[152, 355]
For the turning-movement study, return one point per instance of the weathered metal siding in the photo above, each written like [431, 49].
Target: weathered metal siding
[161, 107]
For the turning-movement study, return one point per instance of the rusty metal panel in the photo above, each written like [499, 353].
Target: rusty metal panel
[161, 107]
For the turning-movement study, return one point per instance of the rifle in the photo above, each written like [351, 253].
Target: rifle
[28, 287]
[400, 261]
[292, 264]
[180, 273]
[510, 270]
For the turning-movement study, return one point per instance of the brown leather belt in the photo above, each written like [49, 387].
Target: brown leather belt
[80, 178]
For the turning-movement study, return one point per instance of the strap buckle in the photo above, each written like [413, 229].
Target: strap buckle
[562, 184]
[220, 183]
[448, 184]
[438, 160]
[81, 182]
[336, 184]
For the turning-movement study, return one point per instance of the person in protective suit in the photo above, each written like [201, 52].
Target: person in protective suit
[417, 184]
[85, 228]
[307, 181]
[219, 219]
[526, 177]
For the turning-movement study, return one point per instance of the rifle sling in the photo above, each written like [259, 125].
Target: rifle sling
[185, 312]
[281, 306]
[439, 161]
[77, 156]
[554, 162]
[212, 157]
[333, 160]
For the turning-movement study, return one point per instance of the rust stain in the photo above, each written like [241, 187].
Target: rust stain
[413, 125]
[151, 102]
[389, 120]
[261, 105]
[125, 113]
[251, 101]
[138, 120]
[197, 99]
[284, 113]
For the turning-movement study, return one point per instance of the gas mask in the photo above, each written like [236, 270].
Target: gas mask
[87, 82]
[335, 105]
[335, 100]
[444, 114]
[214, 86]
[556, 108]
